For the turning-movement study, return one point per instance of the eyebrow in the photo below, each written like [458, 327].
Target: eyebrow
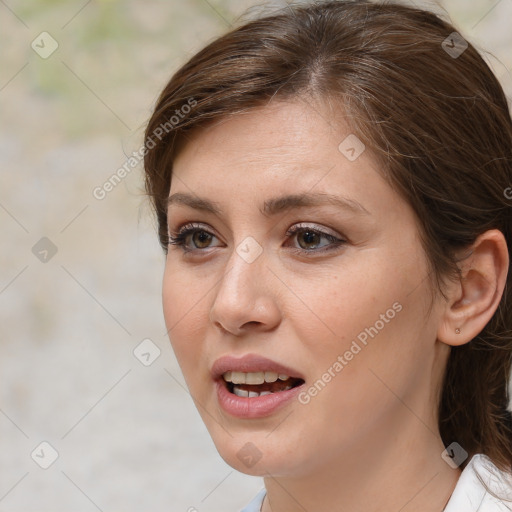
[275, 205]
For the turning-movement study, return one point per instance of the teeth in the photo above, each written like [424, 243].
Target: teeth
[252, 394]
[254, 378]
[237, 377]
[240, 392]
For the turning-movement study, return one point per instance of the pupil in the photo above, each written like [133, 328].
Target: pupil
[309, 237]
[202, 236]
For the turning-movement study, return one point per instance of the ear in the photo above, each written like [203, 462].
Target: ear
[473, 300]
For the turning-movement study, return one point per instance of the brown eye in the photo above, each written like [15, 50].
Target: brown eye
[200, 237]
[310, 238]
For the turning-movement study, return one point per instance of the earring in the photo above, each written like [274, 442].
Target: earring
[457, 331]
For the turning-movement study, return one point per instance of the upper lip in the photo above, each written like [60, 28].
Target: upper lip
[251, 363]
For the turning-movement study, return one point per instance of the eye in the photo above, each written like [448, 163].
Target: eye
[306, 235]
[312, 236]
[196, 232]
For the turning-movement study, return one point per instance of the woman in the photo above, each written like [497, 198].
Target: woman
[332, 188]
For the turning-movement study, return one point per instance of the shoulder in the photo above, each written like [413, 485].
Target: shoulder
[477, 483]
[255, 504]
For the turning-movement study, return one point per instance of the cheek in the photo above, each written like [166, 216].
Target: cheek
[184, 317]
[371, 317]
[358, 298]
[184, 295]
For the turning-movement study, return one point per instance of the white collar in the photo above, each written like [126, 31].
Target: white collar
[470, 495]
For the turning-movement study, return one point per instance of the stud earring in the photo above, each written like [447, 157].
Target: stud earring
[457, 331]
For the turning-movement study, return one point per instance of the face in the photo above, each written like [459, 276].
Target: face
[330, 293]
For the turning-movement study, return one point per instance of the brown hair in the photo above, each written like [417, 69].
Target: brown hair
[437, 121]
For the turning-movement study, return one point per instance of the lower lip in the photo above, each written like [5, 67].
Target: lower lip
[254, 407]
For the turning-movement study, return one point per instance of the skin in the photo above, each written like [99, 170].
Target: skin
[369, 440]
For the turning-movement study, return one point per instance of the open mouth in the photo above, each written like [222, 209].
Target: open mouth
[254, 384]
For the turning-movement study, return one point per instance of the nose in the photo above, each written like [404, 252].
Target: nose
[246, 297]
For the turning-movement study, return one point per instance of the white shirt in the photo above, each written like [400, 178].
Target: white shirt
[469, 494]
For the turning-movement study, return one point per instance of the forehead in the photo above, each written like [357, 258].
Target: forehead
[279, 130]
[283, 148]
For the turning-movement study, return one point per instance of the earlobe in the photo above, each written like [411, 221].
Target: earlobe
[473, 300]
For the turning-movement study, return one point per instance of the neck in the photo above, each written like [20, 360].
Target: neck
[384, 472]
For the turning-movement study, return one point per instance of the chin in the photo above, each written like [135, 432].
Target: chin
[256, 455]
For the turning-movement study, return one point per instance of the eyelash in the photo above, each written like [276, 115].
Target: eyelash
[180, 238]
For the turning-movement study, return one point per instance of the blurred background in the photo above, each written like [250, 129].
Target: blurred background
[94, 414]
